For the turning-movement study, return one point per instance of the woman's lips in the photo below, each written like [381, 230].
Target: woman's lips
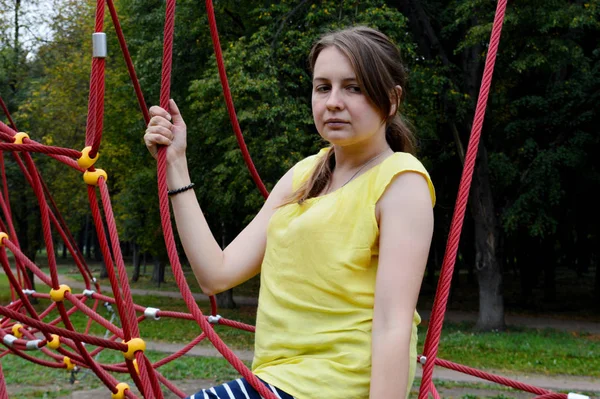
[336, 123]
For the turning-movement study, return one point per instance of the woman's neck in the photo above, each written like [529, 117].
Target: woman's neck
[348, 158]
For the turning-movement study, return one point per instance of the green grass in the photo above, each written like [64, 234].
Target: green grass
[43, 382]
[517, 350]
[521, 350]
[4, 287]
[69, 269]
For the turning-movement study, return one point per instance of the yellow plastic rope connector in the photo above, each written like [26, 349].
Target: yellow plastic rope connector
[85, 161]
[3, 235]
[134, 345]
[67, 361]
[15, 330]
[91, 178]
[55, 343]
[59, 294]
[19, 137]
[121, 387]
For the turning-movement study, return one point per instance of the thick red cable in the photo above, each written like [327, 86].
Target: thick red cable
[26, 303]
[29, 264]
[128, 300]
[108, 261]
[100, 87]
[128, 61]
[214, 34]
[491, 377]
[168, 230]
[75, 336]
[117, 256]
[96, 98]
[439, 306]
[7, 113]
[37, 360]
[94, 316]
[44, 149]
[46, 227]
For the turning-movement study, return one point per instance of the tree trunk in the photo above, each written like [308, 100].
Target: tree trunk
[597, 288]
[158, 271]
[145, 260]
[136, 263]
[489, 276]
[549, 264]
[225, 299]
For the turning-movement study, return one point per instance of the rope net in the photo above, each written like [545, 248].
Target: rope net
[23, 329]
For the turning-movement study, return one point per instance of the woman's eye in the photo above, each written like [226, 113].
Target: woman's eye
[354, 89]
[322, 89]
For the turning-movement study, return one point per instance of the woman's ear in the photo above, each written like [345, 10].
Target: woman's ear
[395, 100]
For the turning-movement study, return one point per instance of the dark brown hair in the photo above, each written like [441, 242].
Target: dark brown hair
[379, 69]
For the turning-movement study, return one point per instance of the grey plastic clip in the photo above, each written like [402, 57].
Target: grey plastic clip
[9, 340]
[152, 312]
[88, 293]
[33, 344]
[28, 292]
[423, 360]
[99, 45]
[214, 319]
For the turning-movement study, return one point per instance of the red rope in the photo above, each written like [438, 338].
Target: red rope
[109, 262]
[5, 109]
[62, 332]
[214, 34]
[441, 298]
[96, 97]
[148, 381]
[491, 377]
[44, 149]
[166, 221]
[128, 300]
[128, 61]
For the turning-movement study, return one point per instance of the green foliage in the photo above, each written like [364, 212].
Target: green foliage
[540, 129]
[271, 85]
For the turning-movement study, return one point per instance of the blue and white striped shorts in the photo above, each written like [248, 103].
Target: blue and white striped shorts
[237, 389]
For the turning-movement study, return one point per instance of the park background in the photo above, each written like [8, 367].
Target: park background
[529, 243]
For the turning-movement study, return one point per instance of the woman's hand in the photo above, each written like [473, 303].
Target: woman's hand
[168, 129]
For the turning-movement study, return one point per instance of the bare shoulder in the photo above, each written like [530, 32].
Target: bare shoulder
[407, 193]
[282, 189]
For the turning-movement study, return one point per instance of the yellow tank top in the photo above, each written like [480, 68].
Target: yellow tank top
[315, 309]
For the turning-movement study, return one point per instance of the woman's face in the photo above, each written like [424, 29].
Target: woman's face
[342, 113]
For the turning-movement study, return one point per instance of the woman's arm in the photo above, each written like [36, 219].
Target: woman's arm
[406, 226]
[216, 270]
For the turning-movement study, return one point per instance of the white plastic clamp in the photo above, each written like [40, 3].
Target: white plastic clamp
[33, 344]
[9, 339]
[423, 359]
[99, 45]
[152, 312]
[572, 395]
[28, 292]
[88, 293]
[94, 280]
[214, 319]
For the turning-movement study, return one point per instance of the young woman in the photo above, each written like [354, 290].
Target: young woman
[341, 243]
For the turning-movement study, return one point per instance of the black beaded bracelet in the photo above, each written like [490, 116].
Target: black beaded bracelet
[180, 189]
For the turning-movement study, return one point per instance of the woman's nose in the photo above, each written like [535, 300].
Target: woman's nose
[335, 100]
